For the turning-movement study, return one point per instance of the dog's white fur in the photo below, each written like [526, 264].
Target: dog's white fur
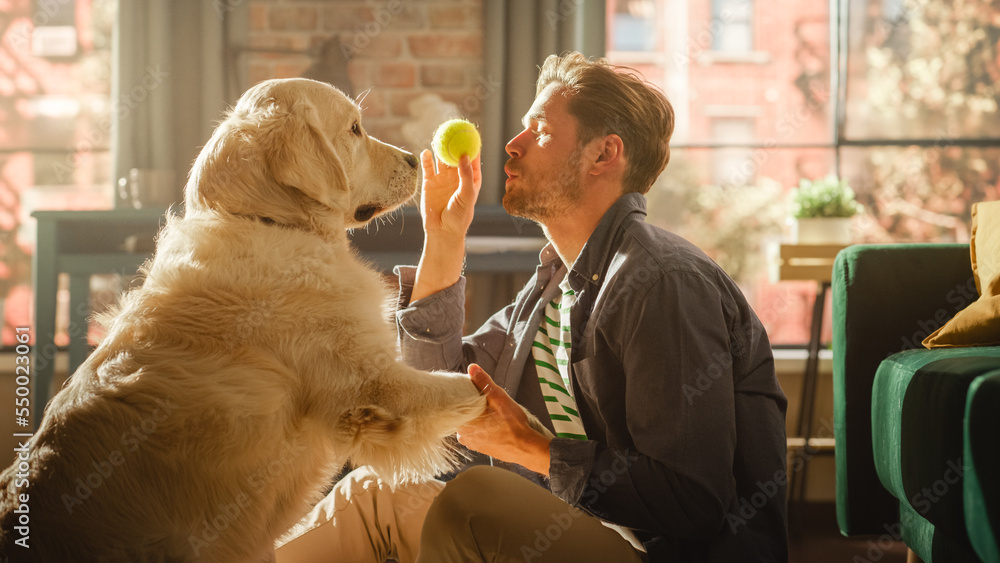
[254, 361]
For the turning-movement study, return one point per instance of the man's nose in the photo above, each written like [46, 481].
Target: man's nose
[514, 146]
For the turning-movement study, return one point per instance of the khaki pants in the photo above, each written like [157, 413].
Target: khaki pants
[484, 514]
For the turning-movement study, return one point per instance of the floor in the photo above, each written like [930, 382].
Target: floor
[818, 540]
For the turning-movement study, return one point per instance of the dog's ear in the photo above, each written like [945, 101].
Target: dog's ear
[301, 157]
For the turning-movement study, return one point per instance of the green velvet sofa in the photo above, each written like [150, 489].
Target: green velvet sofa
[917, 431]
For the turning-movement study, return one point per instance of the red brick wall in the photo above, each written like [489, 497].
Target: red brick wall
[399, 49]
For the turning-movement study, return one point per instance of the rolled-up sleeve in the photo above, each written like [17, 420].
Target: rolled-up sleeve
[429, 330]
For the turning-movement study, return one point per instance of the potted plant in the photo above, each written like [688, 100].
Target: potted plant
[823, 209]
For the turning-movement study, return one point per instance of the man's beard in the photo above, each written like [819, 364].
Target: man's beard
[541, 199]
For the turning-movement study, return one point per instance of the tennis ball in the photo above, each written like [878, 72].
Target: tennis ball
[455, 138]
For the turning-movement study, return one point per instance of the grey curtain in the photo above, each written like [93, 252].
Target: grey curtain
[519, 34]
[167, 84]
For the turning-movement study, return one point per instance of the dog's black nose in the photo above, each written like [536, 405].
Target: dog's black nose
[411, 160]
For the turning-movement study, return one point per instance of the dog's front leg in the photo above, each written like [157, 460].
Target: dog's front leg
[403, 419]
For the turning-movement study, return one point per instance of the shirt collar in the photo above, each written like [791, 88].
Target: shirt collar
[549, 264]
[590, 266]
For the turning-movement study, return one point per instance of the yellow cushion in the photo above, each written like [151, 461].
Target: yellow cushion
[986, 247]
[979, 323]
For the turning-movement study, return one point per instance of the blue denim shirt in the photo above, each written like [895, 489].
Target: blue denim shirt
[674, 379]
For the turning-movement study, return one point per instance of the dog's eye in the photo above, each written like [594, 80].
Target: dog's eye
[356, 129]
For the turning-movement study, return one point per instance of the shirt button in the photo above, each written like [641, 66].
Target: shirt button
[594, 277]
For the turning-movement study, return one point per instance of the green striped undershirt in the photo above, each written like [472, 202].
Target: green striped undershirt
[551, 352]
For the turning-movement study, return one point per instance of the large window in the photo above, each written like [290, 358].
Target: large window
[55, 127]
[901, 100]
[921, 127]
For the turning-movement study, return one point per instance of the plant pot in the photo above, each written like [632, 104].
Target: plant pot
[823, 230]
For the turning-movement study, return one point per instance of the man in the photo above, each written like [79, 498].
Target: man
[644, 357]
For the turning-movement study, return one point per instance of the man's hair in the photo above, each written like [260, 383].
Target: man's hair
[606, 99]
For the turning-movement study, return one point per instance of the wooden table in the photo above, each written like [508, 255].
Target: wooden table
[84, 243]
[808, 262]
[80, 244]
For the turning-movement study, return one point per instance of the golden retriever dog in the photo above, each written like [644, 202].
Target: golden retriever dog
[255, 360]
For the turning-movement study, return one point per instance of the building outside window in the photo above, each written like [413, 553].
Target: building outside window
[728, 162]
[633, 26]
[735, 21]
[55, 128]
[905, 110]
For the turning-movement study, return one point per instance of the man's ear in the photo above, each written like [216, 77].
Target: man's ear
[301, 157]
[608, 154]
